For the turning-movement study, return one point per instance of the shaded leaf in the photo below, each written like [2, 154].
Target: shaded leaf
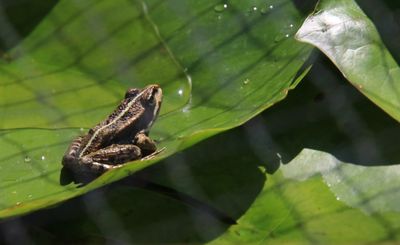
[337, 173]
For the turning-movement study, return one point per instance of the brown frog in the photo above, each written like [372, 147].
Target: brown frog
[121, 137]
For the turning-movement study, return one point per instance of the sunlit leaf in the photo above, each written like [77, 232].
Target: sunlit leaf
[318, 167]
[218, 68]
[346, 35]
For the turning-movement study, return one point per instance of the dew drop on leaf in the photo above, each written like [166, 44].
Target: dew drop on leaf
[220, 7]
[264, 10]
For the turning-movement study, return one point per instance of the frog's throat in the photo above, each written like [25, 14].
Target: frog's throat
[112, 122]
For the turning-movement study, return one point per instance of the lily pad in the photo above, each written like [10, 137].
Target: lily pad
[217, 67]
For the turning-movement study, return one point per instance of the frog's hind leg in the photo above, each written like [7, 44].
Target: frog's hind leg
[110, 157]
[71, 157]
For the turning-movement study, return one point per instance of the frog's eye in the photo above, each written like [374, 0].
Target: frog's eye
[152, 99]
[132, 92]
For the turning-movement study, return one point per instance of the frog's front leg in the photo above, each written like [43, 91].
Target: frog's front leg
[143, 141]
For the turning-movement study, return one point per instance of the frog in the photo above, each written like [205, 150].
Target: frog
[122, 137]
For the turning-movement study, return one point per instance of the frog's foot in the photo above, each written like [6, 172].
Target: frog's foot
[152, 154]
[146, 144]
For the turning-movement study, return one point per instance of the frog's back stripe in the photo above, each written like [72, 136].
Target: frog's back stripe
[111, 122]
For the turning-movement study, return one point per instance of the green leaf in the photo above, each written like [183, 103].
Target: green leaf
[343, 188]
[217, 67]
[337, 170]
[345, 34]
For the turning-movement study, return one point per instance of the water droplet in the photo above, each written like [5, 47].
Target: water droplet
[246, 81]
[43, 158]
[264, 10]
[27, 159]
[220, 7]
[338, 198]
[186, 109]
[271, 6]
[29, 196]
[180, 92]
[254, 8]
[18, 203]
[291, 25]
[278, 38]
[287, 35]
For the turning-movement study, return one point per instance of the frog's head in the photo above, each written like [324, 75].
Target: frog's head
[150, 99]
